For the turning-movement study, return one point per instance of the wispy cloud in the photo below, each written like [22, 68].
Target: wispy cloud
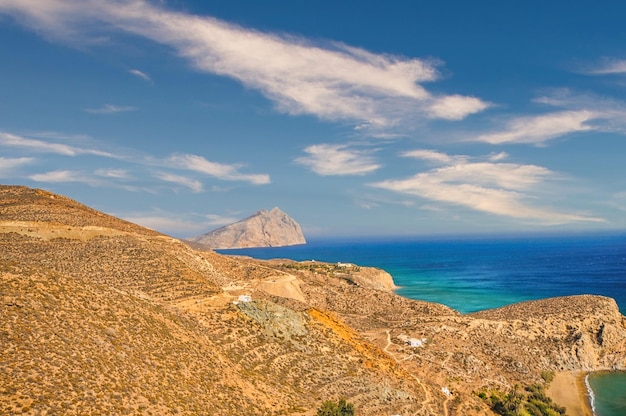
[539, 129]
[496, 157]
[577, 113]
[332, 81]
[172, 224]
[140, 74]
[42, 146]
[433, 156]
[109, 176]
[64, 176]
[9, 165]
[219, 220]
[111, 109]
[618, 200]
[193, 184]
[609, 67]
[218, 170]
[176, 223]
[112, 173]
[332, 159]
[503, 189]
[96, 180]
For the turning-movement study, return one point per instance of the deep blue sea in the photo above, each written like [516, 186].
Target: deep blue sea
[472, 274]
[480, 273]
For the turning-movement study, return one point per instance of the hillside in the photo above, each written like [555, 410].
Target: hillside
[100, 316]
[264, 228]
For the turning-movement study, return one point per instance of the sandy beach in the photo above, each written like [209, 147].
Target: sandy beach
[568, 389]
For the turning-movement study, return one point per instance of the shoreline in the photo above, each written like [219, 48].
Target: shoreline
[569, 389]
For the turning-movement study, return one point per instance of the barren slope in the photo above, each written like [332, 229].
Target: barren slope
[98, 315]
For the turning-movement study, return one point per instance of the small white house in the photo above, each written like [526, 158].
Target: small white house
[414, 342]
[446, 391]
[244, 298]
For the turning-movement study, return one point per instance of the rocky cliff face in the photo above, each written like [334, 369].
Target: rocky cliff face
[100, 316]
[265, 228]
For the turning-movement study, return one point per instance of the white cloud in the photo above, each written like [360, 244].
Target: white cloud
[496, 157]
[41, 146]
[618, 200]
[496, 188]
[8, 165]
[111, 109]
[140, 74]
[433, 156]
[220, 220]
[539, 129]
[331, 81]
[614, 66]
[63, 176]
[112, 173]
[577, 113]
[185, 161]
[75, 176]
[329, 159]
[165, 224]
[55, 135]
[455, 107]
[194, 185]
[218, 170]
[180, 224]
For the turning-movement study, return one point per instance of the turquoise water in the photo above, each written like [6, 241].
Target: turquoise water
[475, 274]
[609, 393]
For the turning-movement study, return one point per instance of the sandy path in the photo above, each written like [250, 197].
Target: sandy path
[427, 398]
[568, 389]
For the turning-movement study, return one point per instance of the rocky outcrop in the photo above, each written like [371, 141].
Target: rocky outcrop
[275, 320]
[265, 228]
[374, 279]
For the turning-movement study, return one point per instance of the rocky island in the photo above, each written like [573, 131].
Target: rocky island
[101, 316]
[271, 228]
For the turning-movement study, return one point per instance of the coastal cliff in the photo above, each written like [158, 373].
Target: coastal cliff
[265, 228]
[101, 316]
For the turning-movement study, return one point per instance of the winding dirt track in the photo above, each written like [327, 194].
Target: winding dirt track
[428, 398]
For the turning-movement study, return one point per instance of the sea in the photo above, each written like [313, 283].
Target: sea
[471, 274]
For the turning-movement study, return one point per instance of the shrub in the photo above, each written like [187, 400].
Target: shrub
[332, 408]
[548, 376]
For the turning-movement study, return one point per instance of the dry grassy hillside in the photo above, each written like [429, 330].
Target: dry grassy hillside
[100, 316]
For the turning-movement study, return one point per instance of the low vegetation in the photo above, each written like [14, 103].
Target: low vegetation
[532, 401]
[332, 408]
[330, 269]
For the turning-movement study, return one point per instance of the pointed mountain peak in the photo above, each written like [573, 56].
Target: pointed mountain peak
[264, 228]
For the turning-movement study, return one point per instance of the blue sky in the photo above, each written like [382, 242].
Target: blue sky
[356, 118]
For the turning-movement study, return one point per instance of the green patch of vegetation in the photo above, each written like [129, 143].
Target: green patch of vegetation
[548, 376]
[323, 268]
[333, 408]
[532, 401]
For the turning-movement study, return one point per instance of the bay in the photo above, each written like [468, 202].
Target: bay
[609, 393]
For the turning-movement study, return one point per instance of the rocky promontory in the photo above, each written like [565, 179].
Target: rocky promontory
[265, 228]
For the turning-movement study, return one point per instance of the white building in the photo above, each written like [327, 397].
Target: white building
[414, 342]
